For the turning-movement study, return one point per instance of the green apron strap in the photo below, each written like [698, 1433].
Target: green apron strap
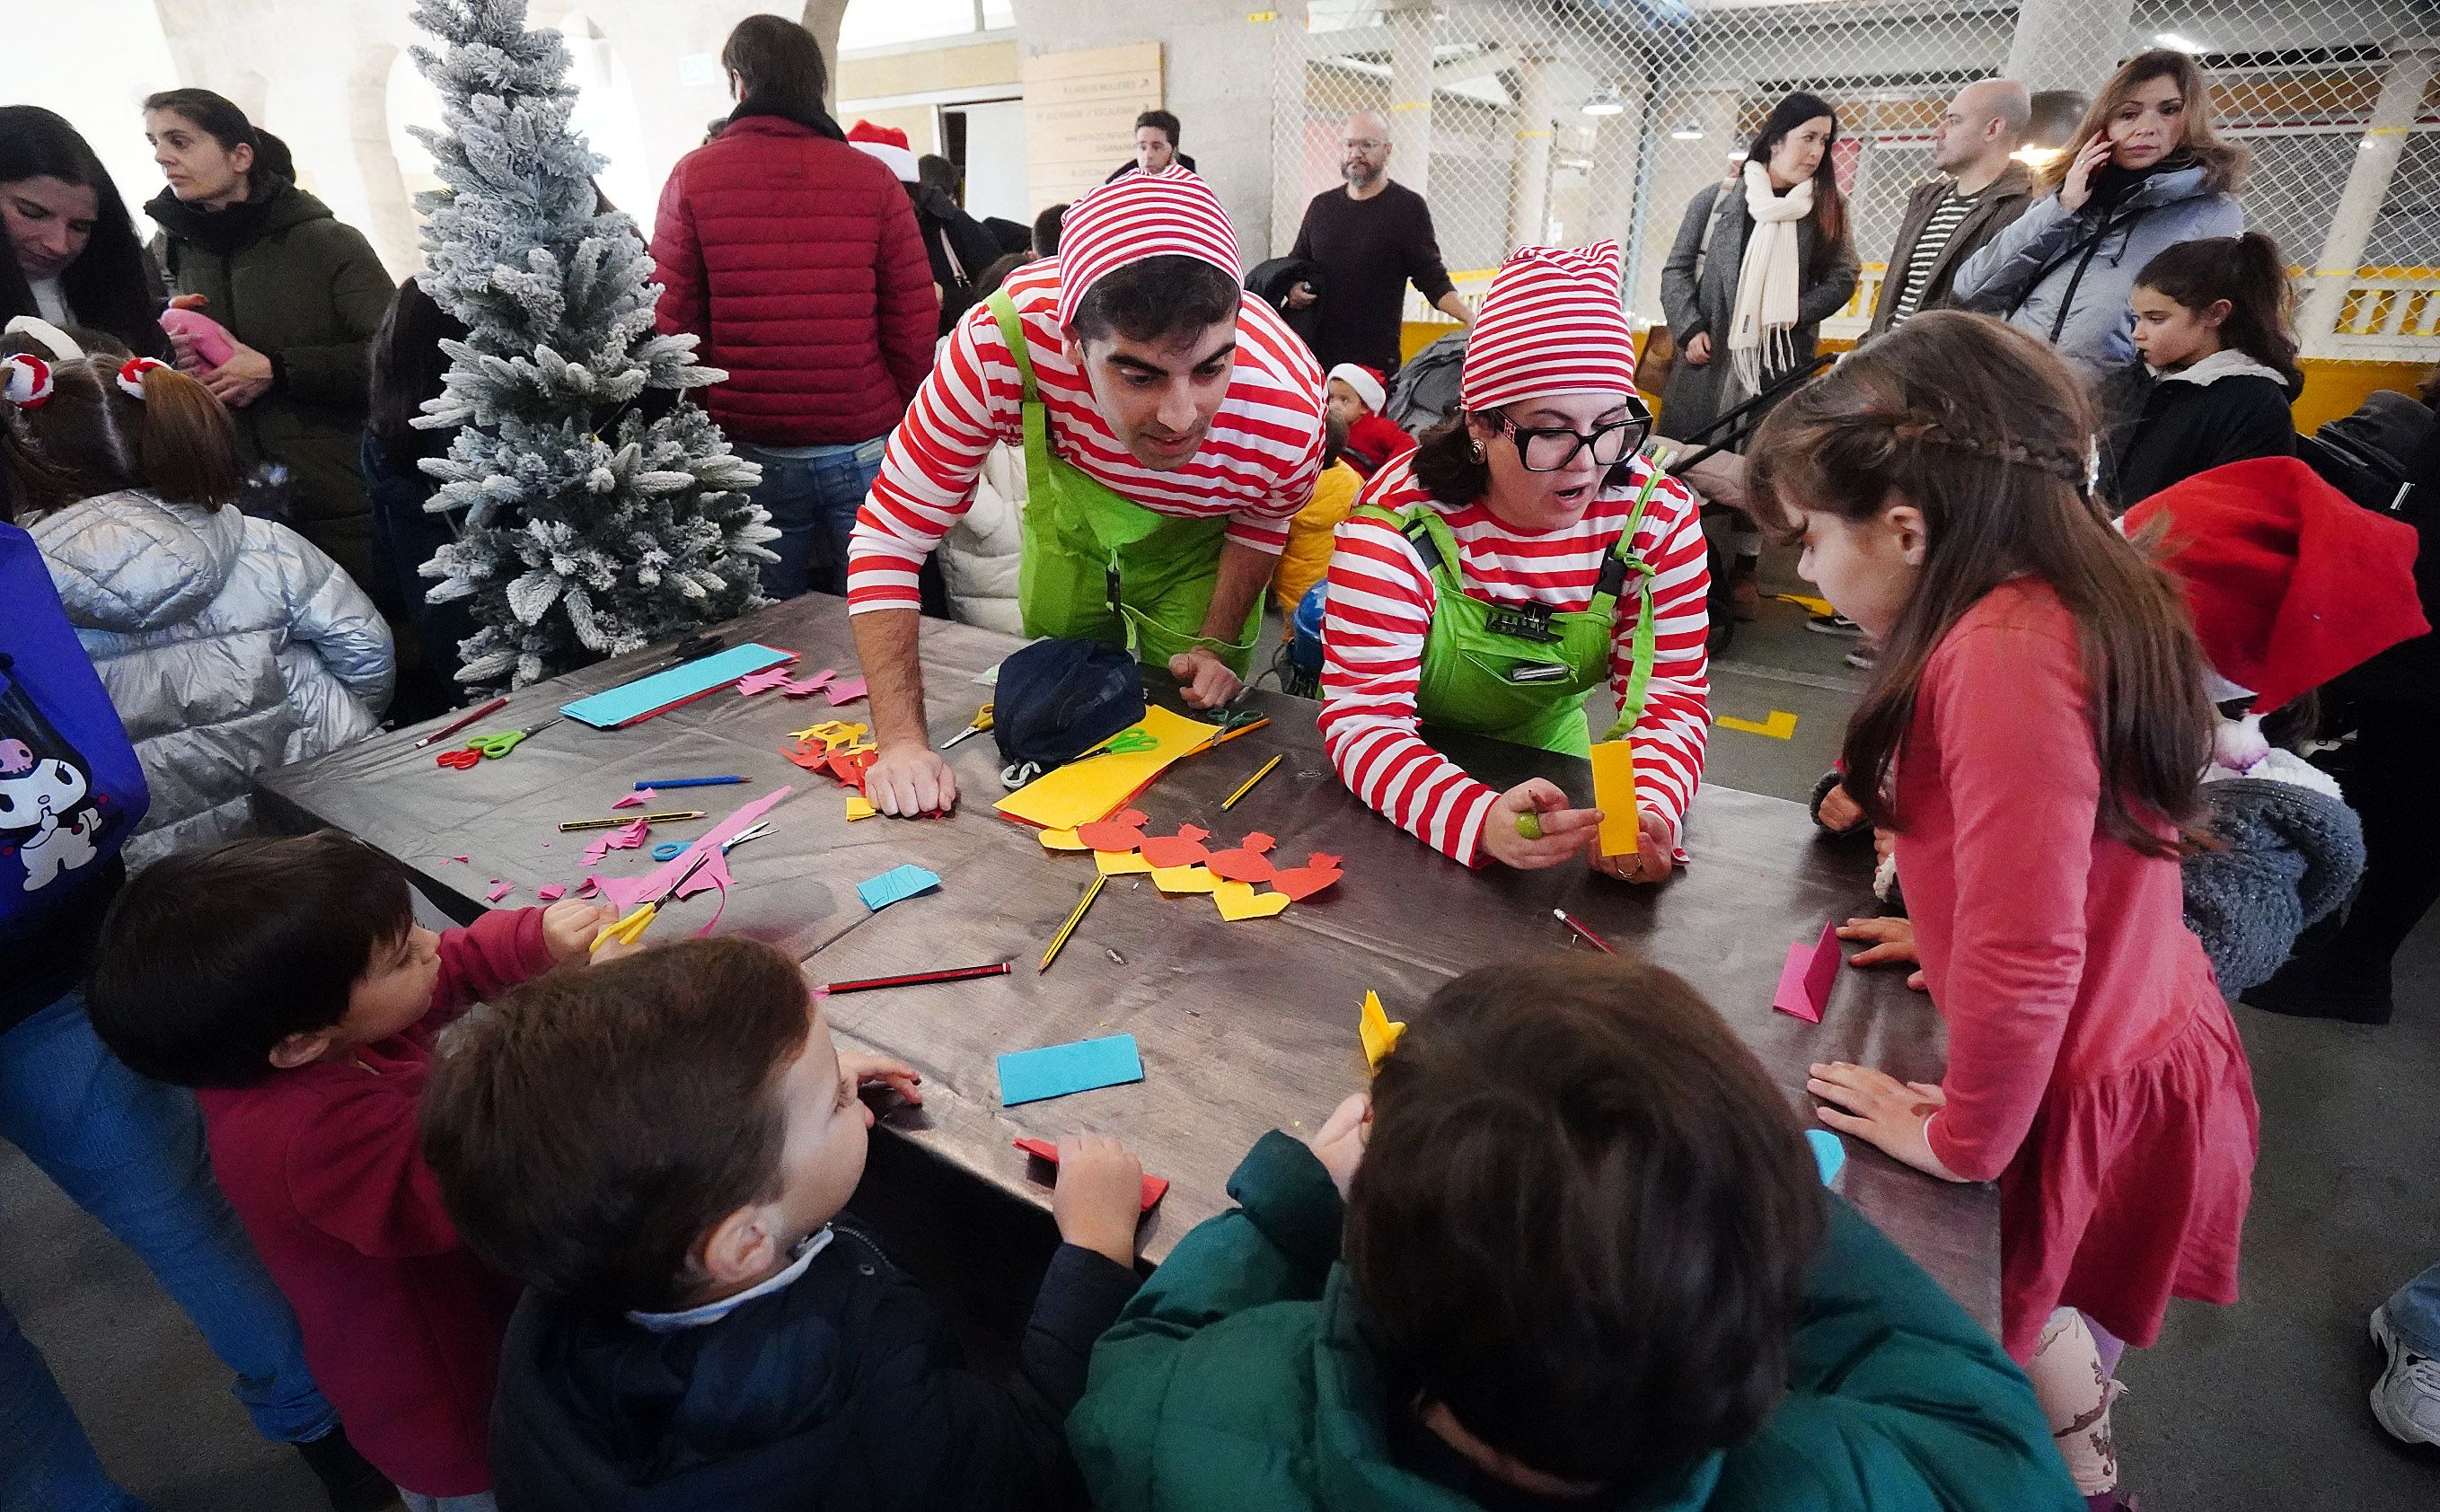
[1037, 427]
[1643, 643]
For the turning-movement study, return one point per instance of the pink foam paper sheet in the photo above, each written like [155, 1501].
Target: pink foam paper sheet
[500, 890]
[846, 690]
[762, 681]
[636, 799]
[1804, 980]
[806, 688]
[550, 892]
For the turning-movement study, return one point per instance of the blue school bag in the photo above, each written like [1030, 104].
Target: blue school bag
[70, 789]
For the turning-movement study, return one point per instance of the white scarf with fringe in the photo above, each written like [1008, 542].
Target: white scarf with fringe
[1768, 280]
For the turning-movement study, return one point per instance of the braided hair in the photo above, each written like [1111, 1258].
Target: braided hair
[1981, 427]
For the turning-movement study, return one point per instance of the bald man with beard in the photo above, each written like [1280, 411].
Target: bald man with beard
[1982, 188]
[1370, 239]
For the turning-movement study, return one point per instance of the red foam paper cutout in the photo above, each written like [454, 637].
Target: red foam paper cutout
[1184, 849]
[1300, 882]
[1122, 832]
[1246, 863]
[1155, 1187]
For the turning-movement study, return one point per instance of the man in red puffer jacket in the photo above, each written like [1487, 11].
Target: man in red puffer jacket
[796, 259]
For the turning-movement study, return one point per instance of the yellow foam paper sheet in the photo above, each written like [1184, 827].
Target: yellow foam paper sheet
[1184, 879]
[1380, 1032]
[1614, 795]
[1063, 840]
[1121, 863]
[1239, 901]
[1095, 787]
[859, 807]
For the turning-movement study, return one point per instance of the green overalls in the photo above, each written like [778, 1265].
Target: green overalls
[1103, 567]
[1520, 673]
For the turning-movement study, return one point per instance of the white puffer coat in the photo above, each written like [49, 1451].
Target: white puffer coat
[229, 645]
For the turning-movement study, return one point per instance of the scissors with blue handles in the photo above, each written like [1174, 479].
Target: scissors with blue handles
[673, 849]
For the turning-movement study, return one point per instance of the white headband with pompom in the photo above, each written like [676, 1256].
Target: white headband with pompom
[132, 372]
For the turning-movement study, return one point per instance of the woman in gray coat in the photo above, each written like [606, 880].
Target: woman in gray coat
[1760, 261]
[2144, 173]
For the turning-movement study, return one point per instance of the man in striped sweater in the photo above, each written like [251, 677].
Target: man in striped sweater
[1172, 426]
[1515, 559]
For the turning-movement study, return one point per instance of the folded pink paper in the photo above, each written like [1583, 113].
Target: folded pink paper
[1804, 980]
[846, 690]
[550, 892]
[634, 800]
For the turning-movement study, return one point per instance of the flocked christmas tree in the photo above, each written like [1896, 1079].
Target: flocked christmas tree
[591, 519]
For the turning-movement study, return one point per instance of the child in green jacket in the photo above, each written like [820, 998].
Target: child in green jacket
[1587, 1263]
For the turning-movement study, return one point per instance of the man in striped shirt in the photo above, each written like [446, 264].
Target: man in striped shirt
[1982, 190]
[1172, 427]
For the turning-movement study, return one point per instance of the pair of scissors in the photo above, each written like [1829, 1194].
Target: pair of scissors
[631, 928]
[492, 746]
[982, 721]
[1128, 741]
[673, 849]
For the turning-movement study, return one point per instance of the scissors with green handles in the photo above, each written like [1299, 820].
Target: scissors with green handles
[1136, 739]
[499, 745]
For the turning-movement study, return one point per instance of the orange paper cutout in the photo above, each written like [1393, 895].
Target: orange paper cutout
[1121, 832]
[1178, 851]
[1300, 882]
[1247, 863]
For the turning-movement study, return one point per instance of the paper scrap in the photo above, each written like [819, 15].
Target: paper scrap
[1063, 840]
[859, 807]
[636, 799]
[1238, 902]
[1089, 789]
[550, 892]
[762, 681]
[1805, 979]
[1055, 1070]
[588, 888]
[1614, 795]
[457, 858]
[1247, 863]
[1155, 1187]
[1379, 1031]
[1121, 863]
[1184, 849]
[627, 892]
[846, 690]
[806, 688]
[1829, 1153]
[1123, 831]
[1184, 879]
[1300, 882]
[897, 883]
[500, 890]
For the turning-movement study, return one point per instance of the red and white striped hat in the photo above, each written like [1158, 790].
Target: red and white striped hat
[1171, 213]
[1554, 322]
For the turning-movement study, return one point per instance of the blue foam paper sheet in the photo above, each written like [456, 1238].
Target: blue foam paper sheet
[649, 695]
[1829, 1153]
[1054, 1070]
[895, 885]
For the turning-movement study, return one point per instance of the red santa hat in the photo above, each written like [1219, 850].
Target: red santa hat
[888, 144]
[1366, 383]
[1554, 322]
[1171, 213]
[2290, 582]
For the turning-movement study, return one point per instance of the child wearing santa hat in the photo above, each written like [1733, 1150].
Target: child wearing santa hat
[1357, 399]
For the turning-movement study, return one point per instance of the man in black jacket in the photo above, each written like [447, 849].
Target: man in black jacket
[1981, 189]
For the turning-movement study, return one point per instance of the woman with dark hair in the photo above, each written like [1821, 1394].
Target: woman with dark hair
[1521, 556]
[75, 258]
[797, 262]
[300, 294]
[407, 369]
[2143, 172]
[1761, 258]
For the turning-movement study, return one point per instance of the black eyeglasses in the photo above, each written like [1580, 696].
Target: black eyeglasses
[1550, 448]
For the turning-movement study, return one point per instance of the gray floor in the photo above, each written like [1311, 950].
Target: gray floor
[2256, 1406]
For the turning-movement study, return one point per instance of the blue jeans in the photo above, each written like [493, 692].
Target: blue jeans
[810, 488]
[2414, 1313]
[131, 1153]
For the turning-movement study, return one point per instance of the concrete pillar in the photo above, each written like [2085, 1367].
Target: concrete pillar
[1411, 95]
[2411, 65]
[2069, 44]
[1529, 194]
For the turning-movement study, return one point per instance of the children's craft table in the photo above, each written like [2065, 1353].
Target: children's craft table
[1242, 1027]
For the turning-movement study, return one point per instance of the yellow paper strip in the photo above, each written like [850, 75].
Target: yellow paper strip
[1062, 840]
[1183, 879]
[1379, 1031]
[1093, 787]
[1238, 901]
[1614, 795]
[1121, 863]
[859, 807]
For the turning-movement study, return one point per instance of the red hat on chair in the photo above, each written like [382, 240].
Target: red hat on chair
[889, 144]
[2289, 581]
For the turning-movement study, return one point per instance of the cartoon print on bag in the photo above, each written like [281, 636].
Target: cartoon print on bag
[46, 819]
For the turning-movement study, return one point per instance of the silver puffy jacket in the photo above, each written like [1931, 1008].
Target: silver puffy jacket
[230, 645]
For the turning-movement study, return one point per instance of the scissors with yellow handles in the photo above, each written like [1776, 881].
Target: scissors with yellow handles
[982, 720]
[639, 918]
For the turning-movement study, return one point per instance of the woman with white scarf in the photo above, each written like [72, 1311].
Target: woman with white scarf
[1761, 261]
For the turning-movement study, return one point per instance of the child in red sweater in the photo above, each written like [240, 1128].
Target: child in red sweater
[287, 981]
[2035, 738]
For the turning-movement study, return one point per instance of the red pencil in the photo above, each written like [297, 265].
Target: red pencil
[955, 974]
[1590, 938]
[454, 725]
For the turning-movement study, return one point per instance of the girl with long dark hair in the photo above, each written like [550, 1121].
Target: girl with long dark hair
[2035, 737]
[2211, 321]
[74, 258]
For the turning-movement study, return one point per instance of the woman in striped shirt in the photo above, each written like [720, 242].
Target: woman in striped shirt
[1522, 554]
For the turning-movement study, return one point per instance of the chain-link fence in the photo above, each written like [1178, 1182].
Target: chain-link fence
[1569, 121]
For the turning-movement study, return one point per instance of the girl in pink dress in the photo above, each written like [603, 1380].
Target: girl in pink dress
[2035, 738]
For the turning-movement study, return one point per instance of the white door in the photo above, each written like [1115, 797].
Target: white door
[995, 160]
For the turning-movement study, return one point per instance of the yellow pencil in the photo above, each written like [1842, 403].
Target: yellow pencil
[1073, 919]
[1247, 786]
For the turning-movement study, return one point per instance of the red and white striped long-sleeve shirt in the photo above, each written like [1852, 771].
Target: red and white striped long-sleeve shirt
[1381, 601]
[1257, 464]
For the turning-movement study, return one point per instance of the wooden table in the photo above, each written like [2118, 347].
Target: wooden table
[1242, 1027]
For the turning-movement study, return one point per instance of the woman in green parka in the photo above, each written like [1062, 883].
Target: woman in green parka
[299, 292]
